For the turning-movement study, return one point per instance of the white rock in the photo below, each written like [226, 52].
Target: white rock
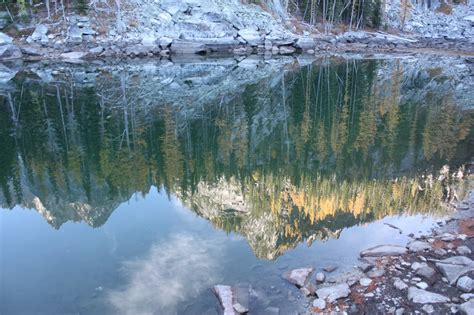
[422, 296]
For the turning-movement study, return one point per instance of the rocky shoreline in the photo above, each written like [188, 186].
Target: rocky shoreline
[432, 274]
[252, 43]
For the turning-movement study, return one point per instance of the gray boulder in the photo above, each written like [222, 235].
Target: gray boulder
[305, 43]
[426, 272]
[418, 246]
[454, 267]
[465, 284]
[40, 32]
[298, 277]
[416, 295]
[332, 293]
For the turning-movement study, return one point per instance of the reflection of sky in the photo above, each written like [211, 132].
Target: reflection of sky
[173, 271]
[152, 256]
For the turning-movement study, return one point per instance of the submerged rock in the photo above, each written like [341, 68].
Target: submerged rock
[332, 293]
[384, 250]
[298, 277]
[416, 295]
[330, 268]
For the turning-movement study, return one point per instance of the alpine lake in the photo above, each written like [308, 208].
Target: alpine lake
[135, 187]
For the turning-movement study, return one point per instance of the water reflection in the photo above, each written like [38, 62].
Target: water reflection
[278, 153]
[163, 279]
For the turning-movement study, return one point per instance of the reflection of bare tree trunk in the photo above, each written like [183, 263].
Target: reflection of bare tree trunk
[124, 105]
[58, 96]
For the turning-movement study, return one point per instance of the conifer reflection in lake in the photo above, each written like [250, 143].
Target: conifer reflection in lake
[279, 157]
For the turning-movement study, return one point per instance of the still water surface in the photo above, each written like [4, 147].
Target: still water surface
[135, 189]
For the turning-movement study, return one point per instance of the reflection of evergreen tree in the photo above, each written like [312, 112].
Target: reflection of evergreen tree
[327, 144]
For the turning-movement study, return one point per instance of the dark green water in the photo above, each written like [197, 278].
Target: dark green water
[135, 188]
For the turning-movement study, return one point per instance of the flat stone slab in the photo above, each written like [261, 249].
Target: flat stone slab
[226, 296]
[332, 293]
[454, 267]
[384, 250]
[416, 295]
[298, 276]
